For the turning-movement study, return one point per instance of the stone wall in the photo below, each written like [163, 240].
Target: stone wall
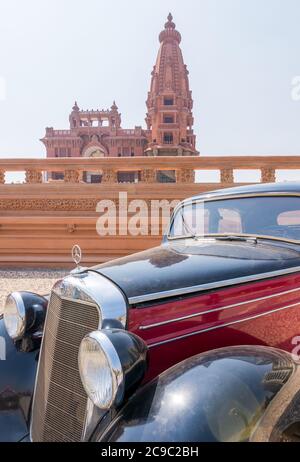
[41, 220]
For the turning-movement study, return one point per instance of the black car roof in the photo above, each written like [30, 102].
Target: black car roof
[284, 187]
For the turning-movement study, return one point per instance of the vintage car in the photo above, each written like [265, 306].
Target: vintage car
[227, 274]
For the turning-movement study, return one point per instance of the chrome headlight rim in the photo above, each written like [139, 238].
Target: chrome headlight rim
[18, 301]
[107, 348]
[24, 315]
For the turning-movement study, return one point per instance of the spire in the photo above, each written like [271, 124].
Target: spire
[75, 107]
[170, 24]
[170, 32]
[114, 107]
[169, 102]
[170, 73]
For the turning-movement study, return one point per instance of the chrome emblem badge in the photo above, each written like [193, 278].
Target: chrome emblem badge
[76, 254]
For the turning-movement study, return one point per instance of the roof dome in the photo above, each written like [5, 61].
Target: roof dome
[170, 32]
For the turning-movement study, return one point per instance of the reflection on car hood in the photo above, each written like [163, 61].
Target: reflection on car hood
[188, 263]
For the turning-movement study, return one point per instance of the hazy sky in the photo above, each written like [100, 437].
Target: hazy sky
[241, 54]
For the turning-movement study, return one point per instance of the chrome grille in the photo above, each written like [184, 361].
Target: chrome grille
[60, 401]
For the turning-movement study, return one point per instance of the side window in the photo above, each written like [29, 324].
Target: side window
[230, 221]
[289, 218]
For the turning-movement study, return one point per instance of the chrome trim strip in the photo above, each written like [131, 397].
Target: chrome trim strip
[226, 307]
[222, 325]
[16, 296]
[212, 285]
[221, 194]
[248, 236]
[96, 289]
[36, 375]
[89, 413]
[220, 197]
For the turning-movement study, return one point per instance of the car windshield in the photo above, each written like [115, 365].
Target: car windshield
[264, 216]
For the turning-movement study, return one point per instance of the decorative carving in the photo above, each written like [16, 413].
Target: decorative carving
[227, 175]
[65, 205]
[169, 89]
[71, 176]
[268, 175]
[2, 176]
[49, 204]
[71, 228]
[186, 175]
[33, 176]
[109, 176]
[148, 176]
[94, 139]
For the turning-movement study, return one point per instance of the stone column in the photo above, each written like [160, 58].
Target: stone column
[71, 176]
[33, 176]
[185, 175]
[268, 175]
[148, 176]
[227, 175]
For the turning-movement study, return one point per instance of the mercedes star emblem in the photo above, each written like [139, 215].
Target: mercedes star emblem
[76, 254]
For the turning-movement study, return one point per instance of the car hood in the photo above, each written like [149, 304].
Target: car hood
[183, 264]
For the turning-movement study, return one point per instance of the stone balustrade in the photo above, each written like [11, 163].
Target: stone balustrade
[41, 219]
[71, 169]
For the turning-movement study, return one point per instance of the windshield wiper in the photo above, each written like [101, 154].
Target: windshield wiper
[187, 227]
[234, 238]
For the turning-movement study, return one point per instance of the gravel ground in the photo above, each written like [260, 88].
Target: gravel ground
[39, 281]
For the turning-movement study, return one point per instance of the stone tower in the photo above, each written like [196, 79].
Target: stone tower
[169, 104]
[99, 133]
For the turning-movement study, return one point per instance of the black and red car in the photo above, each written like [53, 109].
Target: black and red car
[227, 275]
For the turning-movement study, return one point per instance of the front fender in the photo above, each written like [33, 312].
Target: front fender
[217, 396]
[17, 378]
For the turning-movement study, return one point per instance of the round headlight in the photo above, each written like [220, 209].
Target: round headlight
[112, 363]
[14, 316]
[24, 314]
[101, 370]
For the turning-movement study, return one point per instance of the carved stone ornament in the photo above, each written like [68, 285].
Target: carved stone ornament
[71, 228]
[186, 175]
[49, 204]
[33, 176]
[227, 175]
[109, 176]
[268, 175]
[71, 176]
[148, 176]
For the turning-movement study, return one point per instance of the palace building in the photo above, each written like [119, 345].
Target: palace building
[169, 118]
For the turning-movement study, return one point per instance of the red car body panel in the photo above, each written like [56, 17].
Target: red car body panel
[266, 312]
